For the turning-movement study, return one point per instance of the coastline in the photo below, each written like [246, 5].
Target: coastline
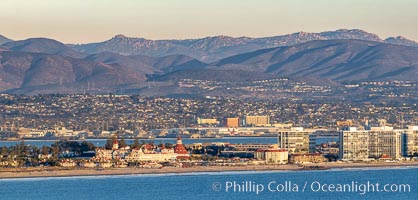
[62, 172]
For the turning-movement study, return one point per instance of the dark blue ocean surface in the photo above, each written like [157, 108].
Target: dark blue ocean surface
[400, 183]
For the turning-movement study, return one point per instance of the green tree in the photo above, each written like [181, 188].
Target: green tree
[136, 144]
[55, 150]
[87, 146]
[122, 143]
[4, 151]
[169, 145]
[110, 141]
[45, 150]
[20, 148]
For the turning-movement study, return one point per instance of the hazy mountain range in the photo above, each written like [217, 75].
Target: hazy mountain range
[41, 65]
[211, 49]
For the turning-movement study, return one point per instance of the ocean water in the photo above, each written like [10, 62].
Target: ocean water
[321, 184]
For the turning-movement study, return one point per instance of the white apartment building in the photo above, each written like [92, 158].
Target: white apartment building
[409, 140]
[295, 140]
[378, 142]
[354, 144]
[385, 142]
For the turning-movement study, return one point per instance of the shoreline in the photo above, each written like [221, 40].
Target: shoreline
[46, 172]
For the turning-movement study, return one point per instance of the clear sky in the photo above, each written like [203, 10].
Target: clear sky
[82, 21]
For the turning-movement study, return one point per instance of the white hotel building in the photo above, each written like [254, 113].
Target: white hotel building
[378, 142]
[296, 140]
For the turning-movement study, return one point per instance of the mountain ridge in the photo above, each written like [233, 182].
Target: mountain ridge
[210, 49]
[42, 65]
[4, 40]
[331, 59]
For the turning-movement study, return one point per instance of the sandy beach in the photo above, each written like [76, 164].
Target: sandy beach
[61, 172]
[58, 172]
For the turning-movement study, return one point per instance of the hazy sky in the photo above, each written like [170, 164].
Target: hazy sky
[81, 21]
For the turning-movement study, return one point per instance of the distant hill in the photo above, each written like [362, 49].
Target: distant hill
[138, 63]
[4, 40]
[42, 45]
[212, 49]
[148, 65]
[31, 73]
[20, 70]
[173, 63]
[331, 59]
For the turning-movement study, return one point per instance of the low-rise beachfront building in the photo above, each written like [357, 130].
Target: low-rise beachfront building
[307, 158]
[67, 163]
[272, 155]
[103, 154]
[144, 154]
[115, 153]
[107, 154]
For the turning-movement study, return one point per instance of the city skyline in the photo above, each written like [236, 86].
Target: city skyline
[94, 21]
